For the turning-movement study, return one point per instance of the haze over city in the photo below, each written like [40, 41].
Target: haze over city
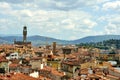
[61, 19]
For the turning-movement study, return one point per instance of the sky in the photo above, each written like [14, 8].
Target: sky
[61, 19]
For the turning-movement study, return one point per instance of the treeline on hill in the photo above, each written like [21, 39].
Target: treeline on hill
[107, 44]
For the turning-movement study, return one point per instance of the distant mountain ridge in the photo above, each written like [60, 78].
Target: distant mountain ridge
[42, 40]
[97, 38]
[36, 40]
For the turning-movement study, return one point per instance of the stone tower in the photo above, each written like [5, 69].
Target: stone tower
[24, 34]
[54, 48]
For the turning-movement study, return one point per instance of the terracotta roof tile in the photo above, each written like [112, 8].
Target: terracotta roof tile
[12, 65]
[20, 76]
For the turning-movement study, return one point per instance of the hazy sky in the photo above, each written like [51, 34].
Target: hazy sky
[61, 19]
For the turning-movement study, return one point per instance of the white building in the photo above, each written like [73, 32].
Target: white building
[13, 56]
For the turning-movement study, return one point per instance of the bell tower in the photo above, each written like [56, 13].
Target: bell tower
[24, 41]
[24, 34]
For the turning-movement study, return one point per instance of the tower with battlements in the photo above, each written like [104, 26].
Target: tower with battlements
[24, 42]
[24, 34]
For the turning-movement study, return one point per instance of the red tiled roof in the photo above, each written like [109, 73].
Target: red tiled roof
[12, 65]
[36, 58]
[2, 59]
[53, 71]
[20, 76]
[42, 77]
